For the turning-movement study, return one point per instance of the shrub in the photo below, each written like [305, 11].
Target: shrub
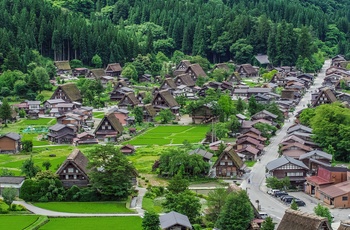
[43, 199]
[52, 155]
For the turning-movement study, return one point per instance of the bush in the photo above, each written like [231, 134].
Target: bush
[43, 199]
[3, 211]
[72, 193]
[52, 155]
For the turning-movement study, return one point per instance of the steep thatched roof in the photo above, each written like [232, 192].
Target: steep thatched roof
[229, 151]
[168, 98]
[71, 91]
[78, 159]
[185, 79]
[150, 110]
[168, 81]
[293, 220]
[62, 65]
[113, 120]
[132, 98]
[223, 66]
[97, 73]
[114, 67]
[248, 68]
[197, 70]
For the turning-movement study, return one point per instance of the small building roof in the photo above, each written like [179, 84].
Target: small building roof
[115, 67]
[13, 136]
[71, 91]
[336, 190]
[205, 154]
[262, 59]
[12, 179]
[79, 160]
[316, 153]
[174, 218]
[299, 127]
[57, 127]
[62, 65]
[197, 70]
[98, 73]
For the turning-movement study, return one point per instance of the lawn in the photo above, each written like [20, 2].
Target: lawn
[16, 222]
[86, 207]
[164, 135]
[92, 223]
[98, 114]
[155, 205]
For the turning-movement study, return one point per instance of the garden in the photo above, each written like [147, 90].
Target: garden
[165, 135]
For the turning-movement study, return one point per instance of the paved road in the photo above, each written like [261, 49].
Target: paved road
[45, 212]
[257, 188]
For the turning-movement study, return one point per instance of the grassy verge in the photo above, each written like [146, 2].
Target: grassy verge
[118, 223]
[86, 207]
[149, 204]
[250, 163]
[17, 222]
[41, 221]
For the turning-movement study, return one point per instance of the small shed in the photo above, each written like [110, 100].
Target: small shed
[174, 220]
[127, 149]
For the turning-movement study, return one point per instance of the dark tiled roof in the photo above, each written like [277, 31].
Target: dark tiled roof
[282, 161]
[13, 136]
[174, 218]
[11, 179]
[262, 59]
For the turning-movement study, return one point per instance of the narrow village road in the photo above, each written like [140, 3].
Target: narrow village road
[257, 188]
[45, 212]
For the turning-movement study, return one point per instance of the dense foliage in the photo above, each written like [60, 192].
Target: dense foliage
[98, 32]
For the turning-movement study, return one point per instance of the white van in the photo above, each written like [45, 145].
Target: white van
[263, 215]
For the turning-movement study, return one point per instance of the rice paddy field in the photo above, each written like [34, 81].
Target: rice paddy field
[165, 135]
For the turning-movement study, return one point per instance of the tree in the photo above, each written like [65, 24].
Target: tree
[220, 75]
[178, 184]
[323, 211]
[9, 195]
[42, 77]
[240, 107]
[29, 169]
[185, 203]
[294, 205]
[216, 200]
[166, 116]
[5, 111]
[242, 51]
[130, 72]
[138, 112]
[22, 113]
[254, 106]
[237, 212]
[274, 183]
[150, 221]
[46, 165]
[96, 61]
[6, 172]
[220, 130]
[225, 105]
[27, 145]
[111, 172]
[268, 224]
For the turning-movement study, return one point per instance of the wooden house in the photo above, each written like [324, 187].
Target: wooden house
[184, 79]
[121, 114]
[299, 128]
[80, 72]
[33, 114]
[141, 96]
[68, 92]
[250, 152]
[164, 100]
[62, 67]
[246, 141]
[195, 71]
[113, 70]
[324, 96]
[145, 78]
[336, 60]
[119, 84]
[109, 128]
[295, 150]
[293, 219]
[247, 70]
[96, 74]
[264, 114]
[149, 113]
[221, 66]
[10, 143]
[288, 167]
[128, 100]
[118, 93]
[263, 60]
[181, 67]
[61, 134]
[74, 170]
[336, 195]
[174, 221]
[316, 158]
[85, 138]
[229, 164]
[203, 114]
[127, 149]
[168, 84]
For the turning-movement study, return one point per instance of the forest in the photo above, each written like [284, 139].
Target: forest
[290, 32]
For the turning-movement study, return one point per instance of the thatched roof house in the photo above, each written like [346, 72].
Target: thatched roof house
[68, 92]
[344, 225]
[293, 220]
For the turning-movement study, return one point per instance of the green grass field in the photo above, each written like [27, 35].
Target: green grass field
[163, 135]
[93, 223]
[86, 207]
[17, 222]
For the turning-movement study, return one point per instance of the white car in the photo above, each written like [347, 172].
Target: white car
[263, 215]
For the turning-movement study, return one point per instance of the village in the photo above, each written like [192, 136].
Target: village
[226, 125]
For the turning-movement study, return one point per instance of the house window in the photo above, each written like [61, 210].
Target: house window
[344, 198]
[70, 170]
[103, 127]
[109, 127]
[76, 171]
[229, 163]
[75, 177]
[66, 177]
[222, 163]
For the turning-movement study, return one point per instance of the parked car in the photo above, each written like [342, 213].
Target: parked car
[281, 197]
[280, 193]
[288, 199]
[273, 191]
[300, 202]
[263, 215]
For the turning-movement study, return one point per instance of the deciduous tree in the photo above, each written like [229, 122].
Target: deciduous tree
[150, 221]
[323, 211]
